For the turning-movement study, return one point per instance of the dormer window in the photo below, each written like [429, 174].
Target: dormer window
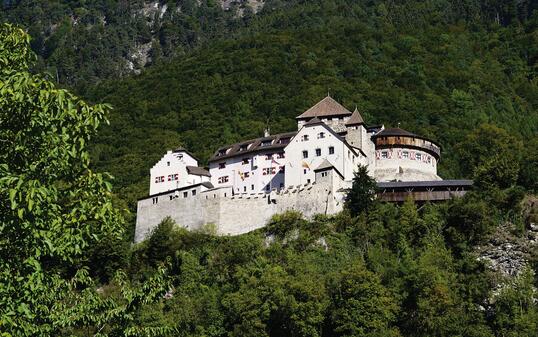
[266, 142]
[243, 147]
[405, 154]
[321, 135]
[246, 161]
[222, 152]
[304, 138]
[284, 140]
[222, 165]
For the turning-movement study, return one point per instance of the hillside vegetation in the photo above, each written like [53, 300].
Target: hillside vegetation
[83, 42]
[439, 68]
[460, 72]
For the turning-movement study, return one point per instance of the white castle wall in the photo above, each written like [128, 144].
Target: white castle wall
[249, 177]
[172, 169]
[300, 170]
[392, 165]
[237, 214]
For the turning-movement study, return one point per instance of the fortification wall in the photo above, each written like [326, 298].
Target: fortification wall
[238, 214]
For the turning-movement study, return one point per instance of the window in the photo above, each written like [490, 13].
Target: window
[266, 142]
[405, 154]
[243, 147]
[331, 149]
[308, 181]
[267, 188]
[222, 152]
[384, 154]
[305, 154]
[280, 155]
[284, 140]
[324, 174]
[269, 170]
[318, 152]
[246, 161]
[419, 156]
[252, 187]
[304, 138]
[173, 177]
[246, 174]
[185, 194]
[304, 171]
[244, 188]
[281, 169]
[223, 179]
[222, 165]
[171, 197]
[321, 135]
[159, 179]
[193, 192]
[167, 163]
[281, 185]
[269, 156]
[155, 200]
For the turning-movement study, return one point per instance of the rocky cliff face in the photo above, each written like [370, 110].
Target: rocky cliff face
[85, 42]
[508, 253]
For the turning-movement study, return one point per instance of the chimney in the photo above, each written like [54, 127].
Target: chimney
[266, 132]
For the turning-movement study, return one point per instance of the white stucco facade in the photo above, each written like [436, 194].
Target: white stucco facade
[313, 144]
[250, 172]
[404, 164]
[171, 172]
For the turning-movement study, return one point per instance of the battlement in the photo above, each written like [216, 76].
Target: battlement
[235, 214]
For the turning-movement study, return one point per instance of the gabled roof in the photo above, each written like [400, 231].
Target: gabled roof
[182, 149]
[313, 121]
[326, 107]
[325, 164]
[253, 145]
[355, 119]
[198, 171]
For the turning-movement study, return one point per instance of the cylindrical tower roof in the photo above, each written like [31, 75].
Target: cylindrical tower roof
[396, 137]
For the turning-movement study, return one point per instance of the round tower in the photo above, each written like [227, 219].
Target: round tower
[403, 156]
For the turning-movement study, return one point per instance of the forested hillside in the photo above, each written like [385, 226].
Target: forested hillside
[440, 68]
[461, 72]
[82, 42]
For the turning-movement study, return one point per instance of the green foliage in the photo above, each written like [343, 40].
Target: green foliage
[81, 42]
[361, 196]
[440, 68]
[53, 208]
[492, 156]
[363, 307]
[281, 225]
[516, 313]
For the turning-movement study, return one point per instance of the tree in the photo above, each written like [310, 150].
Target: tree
[363, 307]
[53, 207]
[491, 155]
[361, 196]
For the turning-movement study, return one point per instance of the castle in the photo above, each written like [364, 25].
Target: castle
[308, 170]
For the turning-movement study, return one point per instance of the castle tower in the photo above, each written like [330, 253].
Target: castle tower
[356, 133]
[403, 156]
[329, 112]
